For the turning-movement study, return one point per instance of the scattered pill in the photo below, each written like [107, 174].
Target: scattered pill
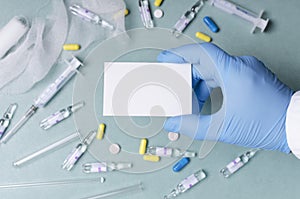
[173, 136]
[71, 46]
[157, 3]
[126, 12]
[114, 149]
[101, 130]
[203, 37]
[181, 164]
[158, 13]
[143, 146]
[211, 24]
[151, 158]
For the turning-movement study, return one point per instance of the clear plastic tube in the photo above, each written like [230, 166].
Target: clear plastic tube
[132, 188]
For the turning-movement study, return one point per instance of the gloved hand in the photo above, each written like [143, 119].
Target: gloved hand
[255, 105]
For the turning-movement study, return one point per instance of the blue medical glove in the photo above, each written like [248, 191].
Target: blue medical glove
[255, 105]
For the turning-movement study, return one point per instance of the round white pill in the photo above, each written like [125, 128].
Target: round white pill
[114, 149]
[158, 13]
[173, 136]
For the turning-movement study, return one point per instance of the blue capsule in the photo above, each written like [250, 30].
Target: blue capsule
[181, 164]
[211, 24]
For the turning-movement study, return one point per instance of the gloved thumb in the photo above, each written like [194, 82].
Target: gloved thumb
[194, 126]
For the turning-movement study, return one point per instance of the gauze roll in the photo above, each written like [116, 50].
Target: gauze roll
[11, 33]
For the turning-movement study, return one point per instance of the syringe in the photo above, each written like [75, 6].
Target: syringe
[237, 10]
[45, 96]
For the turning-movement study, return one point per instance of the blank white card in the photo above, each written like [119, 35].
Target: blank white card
[147, 89]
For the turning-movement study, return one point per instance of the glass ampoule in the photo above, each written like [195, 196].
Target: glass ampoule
[186, 18]
[146, 14]
[99, 167]
[238, 163]
[186, 184]
[169, 152]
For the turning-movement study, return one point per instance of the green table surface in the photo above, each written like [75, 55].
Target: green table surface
[270, 174]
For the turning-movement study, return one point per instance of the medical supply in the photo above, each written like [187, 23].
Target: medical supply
[53, 183]
[186, 18]
[60, 115]
[203, 36]
[99, 167]
[237, 10]
[143, 146]
[45, 96]
[186, 184]
[114, 149]
[47, 149]
[158, 13]
[126, 12]
[151, 158]
[78, 151]
[145, 13]
[238, 163]
[173, 136]
[90, 16]
[7, 116]
[72, 47]
[157, 3]
[211, 24]
[133, 188]
[101, 131]
[169, 152]
[11, 33]
[181, 164]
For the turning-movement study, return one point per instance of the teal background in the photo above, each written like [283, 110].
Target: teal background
[270, 174]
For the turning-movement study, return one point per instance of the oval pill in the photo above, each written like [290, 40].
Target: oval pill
[151, 158]
[157, 3]
[203, 37]
[211, 24]
[173, 136]
[71, 47]
[101, 130]
[181, 164]
[126, 12]
[143, 146]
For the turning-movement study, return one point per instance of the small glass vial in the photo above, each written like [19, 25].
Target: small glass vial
[146, 14]
[186, 184]
[78, 151]
[186, 19]
[169, 152]
[238, 163]
[99, 167]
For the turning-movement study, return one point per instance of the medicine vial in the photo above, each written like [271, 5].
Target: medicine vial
[99, 167]
[186, 184]
[169, 152]
[145, 14]
[237, 163]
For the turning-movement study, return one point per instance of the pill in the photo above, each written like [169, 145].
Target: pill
[181, 164]
[114, 149]
[143, 146]
[71, 47]
[158, 13]
[173, 136]
[157, 3]
[211, 24]
[101, 130]
[151, 158]
[203, 36]
[126, 12]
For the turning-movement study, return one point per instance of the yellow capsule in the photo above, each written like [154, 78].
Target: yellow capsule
[151, 158]
[203, 37]
[126, 12]
[71, 47]
[143, 146]
[157, 3]
[101, 130]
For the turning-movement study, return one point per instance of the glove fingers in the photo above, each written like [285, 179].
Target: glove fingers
[194, 126]
[202, 92]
